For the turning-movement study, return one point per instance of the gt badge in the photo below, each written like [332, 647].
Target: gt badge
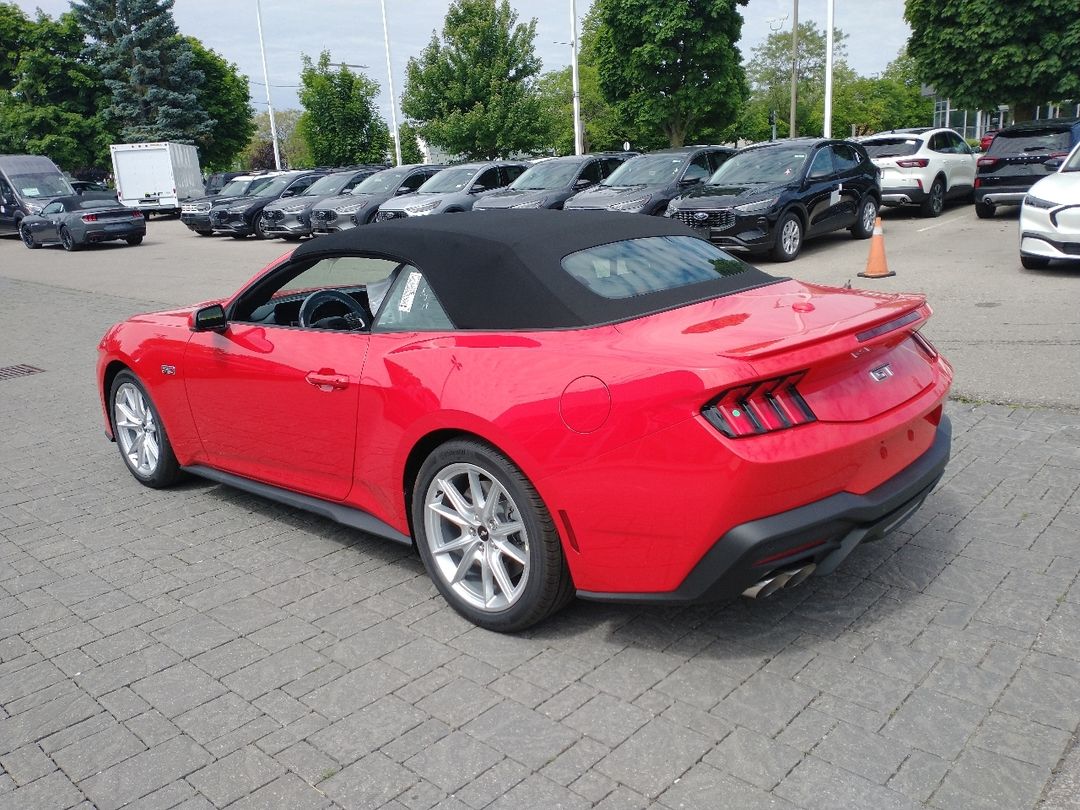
[881, 373]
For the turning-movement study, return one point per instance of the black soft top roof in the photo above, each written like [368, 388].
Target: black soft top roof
[503, 269]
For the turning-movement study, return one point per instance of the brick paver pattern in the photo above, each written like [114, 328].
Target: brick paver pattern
[199, 647]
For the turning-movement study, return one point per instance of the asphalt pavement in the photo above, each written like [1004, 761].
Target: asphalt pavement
[198, 647]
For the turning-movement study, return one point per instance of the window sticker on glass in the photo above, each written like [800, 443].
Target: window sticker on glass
[409, 293]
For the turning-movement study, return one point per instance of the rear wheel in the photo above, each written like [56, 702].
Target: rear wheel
[934, 203]
[486, 539]
[27, 237]
[1034, 262]
[984, 210]
[864, 222]
[66, 239]
[134, 240]
[789, 237]
[139, 433]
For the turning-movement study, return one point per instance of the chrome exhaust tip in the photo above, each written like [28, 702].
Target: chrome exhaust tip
[784, 579]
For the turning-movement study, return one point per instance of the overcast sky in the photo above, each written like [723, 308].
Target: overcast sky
[352, 31]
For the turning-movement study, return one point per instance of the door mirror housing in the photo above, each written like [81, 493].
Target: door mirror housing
[288, 193]
[209, 319]
[1053, 164]
[477, 188]
[581, 183]
[402, 190]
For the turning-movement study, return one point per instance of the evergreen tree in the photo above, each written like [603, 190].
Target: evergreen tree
[148, 67]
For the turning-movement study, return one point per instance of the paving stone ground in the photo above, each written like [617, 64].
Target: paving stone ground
[199, 647]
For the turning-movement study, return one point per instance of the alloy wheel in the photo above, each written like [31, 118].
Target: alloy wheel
[477, 537]
[136, 429]
[66, 239]
[869, 216]
[27, 237]
[791, 236]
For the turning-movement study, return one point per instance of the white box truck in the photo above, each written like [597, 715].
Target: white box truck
[156, 176]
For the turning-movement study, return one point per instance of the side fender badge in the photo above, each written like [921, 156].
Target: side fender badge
[168, 370]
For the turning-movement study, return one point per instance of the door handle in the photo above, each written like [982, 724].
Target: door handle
[327, 381]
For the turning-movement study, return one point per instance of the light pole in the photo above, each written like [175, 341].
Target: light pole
[828, 65]
[579, 145]
[266, 82]
[390, 79]
[794, 67]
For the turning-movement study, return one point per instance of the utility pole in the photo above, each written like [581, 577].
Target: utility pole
[579, 140]
[390, 79]
[266, 81]
[794, 67]
[829, 4]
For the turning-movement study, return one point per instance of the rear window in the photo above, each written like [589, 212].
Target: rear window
[648, 265]
[1029, 141]
[892, 147]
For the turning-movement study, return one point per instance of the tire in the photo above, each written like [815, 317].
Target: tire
[789, 238]
[865, 219]
[27, 237]
[984, 210]
[503, 583]
[139, 431]
[66, 239]
[134, 240]
[257, 228]
[934, 203]
[1034, 262]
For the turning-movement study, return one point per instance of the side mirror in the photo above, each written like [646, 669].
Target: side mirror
[288, 193]
[477, 188]
[581, 183]
[209, 319]
[401, 190]
[690, 181]
[1053, 164]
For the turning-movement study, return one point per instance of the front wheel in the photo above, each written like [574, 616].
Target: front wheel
[27, 237]
[134, 240]
[140, 434]
[486, 539]
[866, 219]
[257, 228]
[66, 239]
[789, 237]
[984, 210]
[1034, 262]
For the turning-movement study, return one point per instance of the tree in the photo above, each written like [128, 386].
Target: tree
[148, 68]
[259, 153]
[473, 93]
[50, 97]
[340, 123]
[410, 148]
[672, 67]
[981, 53]
[226, 98]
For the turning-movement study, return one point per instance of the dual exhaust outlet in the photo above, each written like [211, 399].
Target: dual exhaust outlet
[781, 579]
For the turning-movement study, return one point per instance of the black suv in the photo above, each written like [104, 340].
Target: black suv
[195, 213]
[773, 196]
[550, 182]
[1015, 160]
[645, 184]
[242, 216]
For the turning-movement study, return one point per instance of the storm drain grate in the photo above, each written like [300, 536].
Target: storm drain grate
[11, 372]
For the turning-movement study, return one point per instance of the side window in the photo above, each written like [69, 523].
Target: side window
[698, 168]
[822, 165]
[360, 178]
[411, 306]
[959, 145]
[302, 184]
[488, 180]
[510, 174]
[591, 172]
[608, 165]
[5, 189]
[53, 208]
[415, 180]
[845, 159]
[939, 142]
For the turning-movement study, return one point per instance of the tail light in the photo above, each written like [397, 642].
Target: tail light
[986, 162]
[761, 407]
[137, 214]
[89, 217]
[978, 182]
[914, 163]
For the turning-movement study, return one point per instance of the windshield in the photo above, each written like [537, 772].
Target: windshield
[237, 188]
[41, 185]
[448, 180]
[646, 170]
[386, 180]
[325, 186]
[547, 175]
[772, 166]
[1072, 163]
[1032, 141]
[892, 147]
[272, 188]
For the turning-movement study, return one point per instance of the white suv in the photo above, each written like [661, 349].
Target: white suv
[1050, 215]
[923, 167]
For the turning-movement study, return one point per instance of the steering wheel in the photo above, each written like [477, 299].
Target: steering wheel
[356, 318]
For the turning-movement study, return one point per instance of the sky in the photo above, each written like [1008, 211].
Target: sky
[352, 31]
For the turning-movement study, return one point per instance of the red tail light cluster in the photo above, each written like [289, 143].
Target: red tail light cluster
[137, 214]
[89, 217]
[914, 163]
[986, 162]
[761, 407]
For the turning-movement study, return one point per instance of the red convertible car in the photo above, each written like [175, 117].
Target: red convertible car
[546, 405]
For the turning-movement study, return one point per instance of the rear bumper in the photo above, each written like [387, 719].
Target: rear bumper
[106, 234]
[1007, 195]
[823, 532]
[902, 195]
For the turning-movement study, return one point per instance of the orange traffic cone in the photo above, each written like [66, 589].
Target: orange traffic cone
[876, 266]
